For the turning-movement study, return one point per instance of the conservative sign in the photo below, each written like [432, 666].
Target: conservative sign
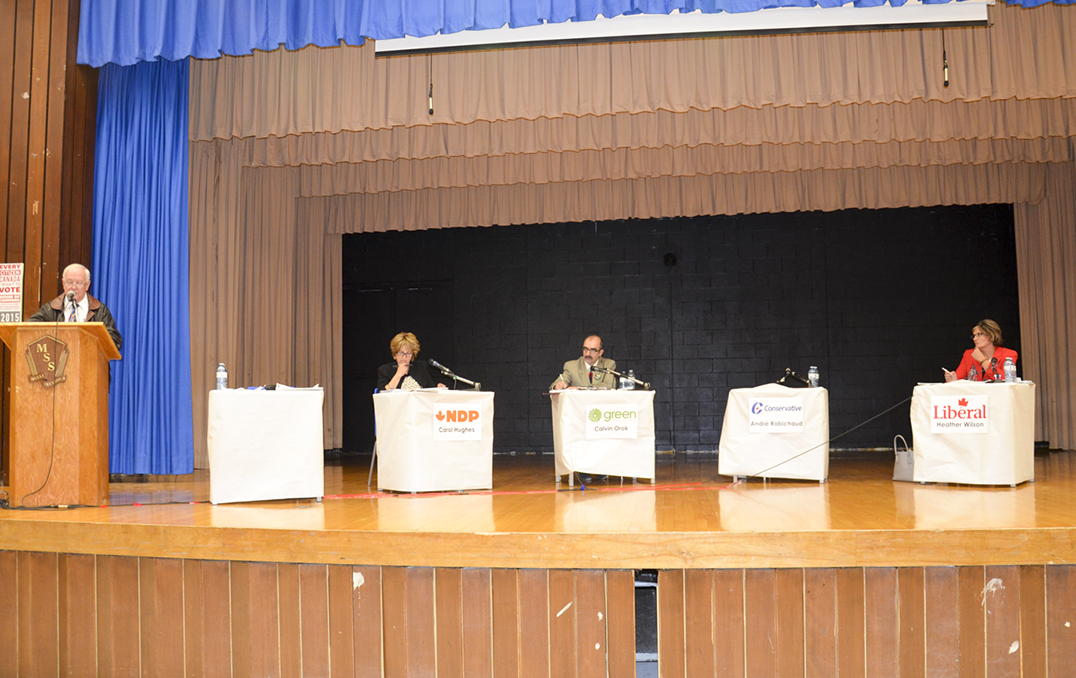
[776, 415]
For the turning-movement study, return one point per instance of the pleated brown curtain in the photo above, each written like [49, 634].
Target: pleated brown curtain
[289, 150]
[1046, 258]
[1024, 55]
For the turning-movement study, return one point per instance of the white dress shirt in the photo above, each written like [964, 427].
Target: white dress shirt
[82, 309]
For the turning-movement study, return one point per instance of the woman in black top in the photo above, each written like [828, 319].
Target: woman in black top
[404, 373]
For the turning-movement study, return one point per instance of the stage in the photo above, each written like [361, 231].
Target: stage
[856, 573]
[690, 518]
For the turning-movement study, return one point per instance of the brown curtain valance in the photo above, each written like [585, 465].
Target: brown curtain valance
[1025, 54]
[865, 124]
[554, 168]
[652, 197]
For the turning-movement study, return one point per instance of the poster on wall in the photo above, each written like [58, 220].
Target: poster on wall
[11, 293]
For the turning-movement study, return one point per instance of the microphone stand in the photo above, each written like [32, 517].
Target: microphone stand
[455, 377]
[789, 374]
[644, 384]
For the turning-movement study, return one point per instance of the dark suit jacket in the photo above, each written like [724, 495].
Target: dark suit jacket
[54, 311]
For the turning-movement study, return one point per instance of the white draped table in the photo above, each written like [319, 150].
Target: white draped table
[265, 445]
[971, 432]
[604, 432]
[423, 446]
[773, 431]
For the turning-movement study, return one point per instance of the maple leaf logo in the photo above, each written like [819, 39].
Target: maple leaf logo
[963, 402]
[440, 415]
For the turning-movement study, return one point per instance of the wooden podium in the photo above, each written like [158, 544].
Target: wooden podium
[58, 393]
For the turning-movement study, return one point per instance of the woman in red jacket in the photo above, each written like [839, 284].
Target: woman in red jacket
[985, 362]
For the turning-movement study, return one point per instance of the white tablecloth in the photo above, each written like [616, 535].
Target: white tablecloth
[577, 451]
[414, 455]
[265, 445]
[801, 454]
[1002, 452]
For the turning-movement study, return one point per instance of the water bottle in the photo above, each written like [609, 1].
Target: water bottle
[1010, 371]
[630, 385]
[222, 377]
[623, 384]
[812, 376]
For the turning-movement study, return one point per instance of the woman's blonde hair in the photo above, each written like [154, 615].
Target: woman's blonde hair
[404, 339]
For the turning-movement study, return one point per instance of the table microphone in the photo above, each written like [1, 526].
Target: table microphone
[434, 363]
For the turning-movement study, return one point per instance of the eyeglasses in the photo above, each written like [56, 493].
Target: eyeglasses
[75, 283]
[978, 334]
[591, 350]
[406, 354]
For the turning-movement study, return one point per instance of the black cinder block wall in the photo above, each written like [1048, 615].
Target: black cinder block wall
[878, 299]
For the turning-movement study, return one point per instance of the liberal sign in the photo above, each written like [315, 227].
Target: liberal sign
[959, 414]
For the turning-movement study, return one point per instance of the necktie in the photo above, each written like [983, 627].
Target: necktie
[592, 375]
[71, 317]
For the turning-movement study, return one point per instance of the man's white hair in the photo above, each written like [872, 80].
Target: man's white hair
[80, 267]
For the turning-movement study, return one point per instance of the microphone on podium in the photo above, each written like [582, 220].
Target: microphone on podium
[606, 370]
[449, 373]
[444, 370]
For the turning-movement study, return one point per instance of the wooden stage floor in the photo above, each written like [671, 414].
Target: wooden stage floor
[691, 518]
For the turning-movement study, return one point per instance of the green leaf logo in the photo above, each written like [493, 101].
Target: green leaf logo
[595, 414]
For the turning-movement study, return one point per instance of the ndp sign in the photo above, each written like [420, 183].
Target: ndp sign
[457, 425]
[959, 414]
[457, 415]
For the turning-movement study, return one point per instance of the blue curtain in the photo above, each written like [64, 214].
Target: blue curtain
[127, 31]
[140, 262]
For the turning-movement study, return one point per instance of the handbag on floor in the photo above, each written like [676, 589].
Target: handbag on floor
[904, 462]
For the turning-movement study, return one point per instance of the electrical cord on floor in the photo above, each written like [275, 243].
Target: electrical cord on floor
[55, 507]
[827, 442]
[4, 505]
[52, 444]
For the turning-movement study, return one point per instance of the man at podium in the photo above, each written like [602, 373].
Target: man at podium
[581, 372]
[75, 305]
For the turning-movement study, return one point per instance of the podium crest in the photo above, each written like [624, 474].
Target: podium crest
[47, 357]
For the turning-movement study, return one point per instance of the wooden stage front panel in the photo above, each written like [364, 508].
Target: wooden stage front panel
[692, 519]
[860, 576]
[110, 615]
